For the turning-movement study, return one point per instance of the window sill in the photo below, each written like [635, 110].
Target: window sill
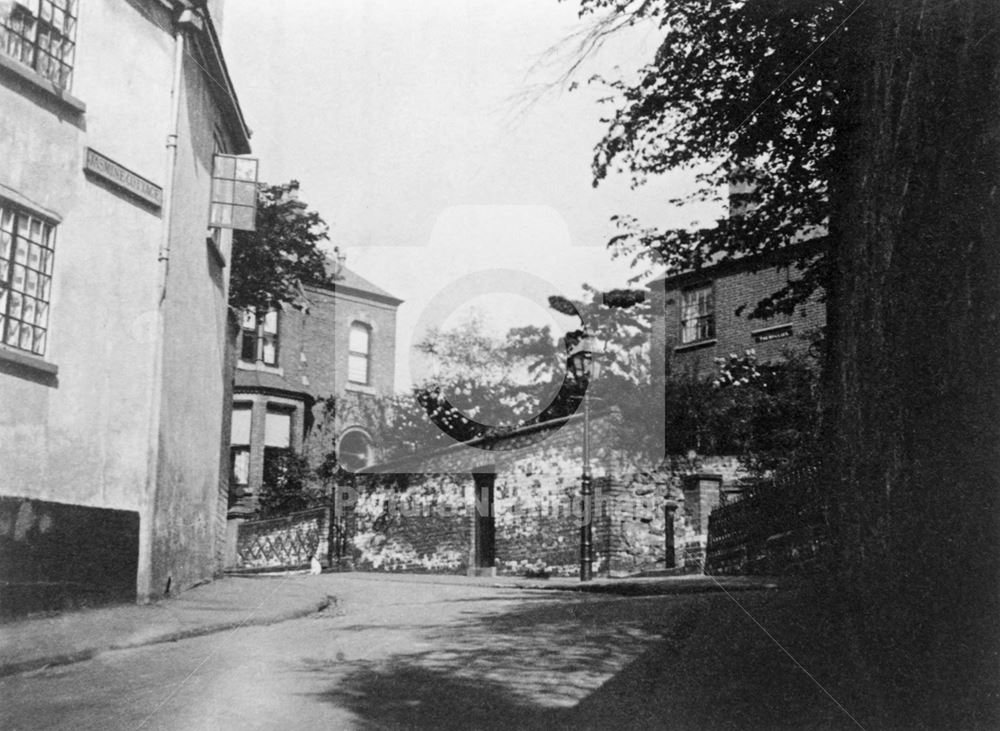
[695, 345]
[39, 82]
[29, 361]
[360, 388]
[246, 365]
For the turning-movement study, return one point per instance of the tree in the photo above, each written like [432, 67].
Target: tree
[737, 91]
[480, 384]
[878, 121]
[268, 267]
[912, 373]
[270, 263]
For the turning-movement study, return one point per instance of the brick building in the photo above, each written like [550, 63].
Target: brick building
[702, 315]
[698, 316]
[112, 363]
[336, 340]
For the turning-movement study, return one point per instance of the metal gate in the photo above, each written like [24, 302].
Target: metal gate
[286, 542]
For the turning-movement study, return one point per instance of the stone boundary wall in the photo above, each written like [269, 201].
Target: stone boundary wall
[777, 529]
[422, 517]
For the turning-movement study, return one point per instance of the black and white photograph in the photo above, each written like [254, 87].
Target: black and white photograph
[500, 364]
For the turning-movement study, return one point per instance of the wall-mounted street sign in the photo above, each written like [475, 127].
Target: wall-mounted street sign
[772, 333]
[123, 178]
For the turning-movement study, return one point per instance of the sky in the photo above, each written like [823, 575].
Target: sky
[418, 132]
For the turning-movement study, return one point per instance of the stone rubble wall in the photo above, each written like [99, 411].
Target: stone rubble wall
[424, 519]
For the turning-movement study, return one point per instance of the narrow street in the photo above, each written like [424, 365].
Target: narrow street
[413, 652]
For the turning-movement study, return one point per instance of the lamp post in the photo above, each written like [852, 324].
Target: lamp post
[583, 366]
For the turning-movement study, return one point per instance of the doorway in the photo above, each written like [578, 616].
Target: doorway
[484, 525]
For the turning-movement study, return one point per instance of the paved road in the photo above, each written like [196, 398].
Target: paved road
[403, 654]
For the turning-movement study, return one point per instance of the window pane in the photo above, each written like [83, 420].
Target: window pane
[697, 314]
[222, 215]
[28, 310]
[248, 349]
[278, 429]
[269, 351]
[354, 451]
[241, 465]
[271, 322]
[240, 432]
[225, 166]
[39, 346]
[244, 194]
[246, 168]
[359, 339]
[222, 191]
[24, 289]
[244, 218]
[357, 368]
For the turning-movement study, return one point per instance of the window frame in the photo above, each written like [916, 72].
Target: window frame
[700, 327]
[28, 36]
[369, 450]
[352, 354]
[257, 336]
[40, 294]
[236, 448]
[272, 452]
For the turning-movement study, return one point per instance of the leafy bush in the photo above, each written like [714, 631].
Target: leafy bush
[288, 485]
[766, 413]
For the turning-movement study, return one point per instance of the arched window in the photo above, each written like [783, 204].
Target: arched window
[359, 346]
[354, 450]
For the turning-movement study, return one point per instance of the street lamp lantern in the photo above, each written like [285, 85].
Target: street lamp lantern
[584, 367]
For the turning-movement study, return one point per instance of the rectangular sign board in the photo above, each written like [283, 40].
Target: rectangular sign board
[772, 333]
[123, 178]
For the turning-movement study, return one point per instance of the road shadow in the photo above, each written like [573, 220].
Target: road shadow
[757, 660]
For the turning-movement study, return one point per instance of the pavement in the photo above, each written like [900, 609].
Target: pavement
[49, 640]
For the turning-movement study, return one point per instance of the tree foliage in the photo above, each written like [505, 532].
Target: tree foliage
[270, 264]
[288, 485]
[489, 386]
[767, 414]
[481, 384]
[876, 121]
[738, 93]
